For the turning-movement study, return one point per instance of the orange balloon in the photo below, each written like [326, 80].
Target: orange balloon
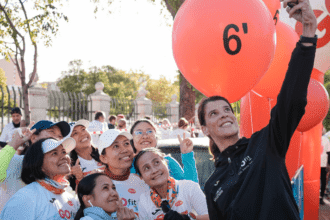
[271, 83]
[317, 75]
[223, 47]
[317, 106]
[274, 7]
[293, 156]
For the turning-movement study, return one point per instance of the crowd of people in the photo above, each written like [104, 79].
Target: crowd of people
[110, 170]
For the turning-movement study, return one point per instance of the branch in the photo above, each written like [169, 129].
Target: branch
[27, 22]
[10, 22]
[34, 66]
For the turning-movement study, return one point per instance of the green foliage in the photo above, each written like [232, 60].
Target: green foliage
[326, 121]
[117, 83]
[6, 103]
[161, 90]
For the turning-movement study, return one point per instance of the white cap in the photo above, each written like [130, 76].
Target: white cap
[82, 122]
[108, 137]
[50, 144]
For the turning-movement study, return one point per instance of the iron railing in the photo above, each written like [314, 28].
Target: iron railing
[68, 106]
[127, 107]
[160, 111]
[10, 98]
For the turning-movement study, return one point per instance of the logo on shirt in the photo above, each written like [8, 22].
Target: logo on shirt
[178, 203]
[218, 194]
[245, 160]
[64, 214]
[52, 201]
[129, 202]
[132, 191]
[245, 164]
[70, 203]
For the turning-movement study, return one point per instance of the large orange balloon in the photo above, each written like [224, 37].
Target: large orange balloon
[317, 106]
[223, 47]
[293, 155]
[317, 75]
[271, 83]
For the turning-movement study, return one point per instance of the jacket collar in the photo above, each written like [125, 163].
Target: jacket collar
[231, 151]
[97, 213]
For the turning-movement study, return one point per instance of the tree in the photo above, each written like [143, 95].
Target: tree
[4, 101]
[161, 90]
[17, 29]
[117, 83]
[326, 121]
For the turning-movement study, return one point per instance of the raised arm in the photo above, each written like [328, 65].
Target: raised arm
[292, 99]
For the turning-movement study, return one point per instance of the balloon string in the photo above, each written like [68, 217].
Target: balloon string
[250, 112]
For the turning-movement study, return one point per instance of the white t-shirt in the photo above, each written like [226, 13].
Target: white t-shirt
[87, 166]
[13, 181]
[190, 199]
[130, 191]
[36, 202]
[165, 133]
[326, 148]
[7, 132]
[179, 131]
[97, 126]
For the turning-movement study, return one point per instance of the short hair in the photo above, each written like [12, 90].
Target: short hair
[138, 122]
[214, 150]
[143, 151]
[183, 123]
[16, 110]
[98, 115]
[112, 117]
[32, 163]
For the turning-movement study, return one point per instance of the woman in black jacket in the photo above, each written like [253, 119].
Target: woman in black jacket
[251, 180]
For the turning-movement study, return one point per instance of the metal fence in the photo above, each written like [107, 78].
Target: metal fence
[10, 98]
[127, 107]
[68, 106]
[160, 111]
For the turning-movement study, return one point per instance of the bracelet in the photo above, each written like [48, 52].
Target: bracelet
[312, 40]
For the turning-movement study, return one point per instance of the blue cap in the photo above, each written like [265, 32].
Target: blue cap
[45, 124]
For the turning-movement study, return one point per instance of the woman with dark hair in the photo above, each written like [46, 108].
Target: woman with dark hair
[117, 154]
[144, 136]
[168, 198]
[99, 199]
[47, 195]
[85, 157]
[250, 180]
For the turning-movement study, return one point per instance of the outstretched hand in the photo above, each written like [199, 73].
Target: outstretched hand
[20, 136]
[186, 144]
[303, 12]
[124, 213]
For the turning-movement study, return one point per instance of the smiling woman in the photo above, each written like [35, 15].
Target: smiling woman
[47, 195]
[84, 158]
[168, 198]
[117, 154]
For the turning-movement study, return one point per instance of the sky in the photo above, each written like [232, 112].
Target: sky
[135, 36]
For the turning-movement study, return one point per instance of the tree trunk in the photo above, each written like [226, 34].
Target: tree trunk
[187, 95]
[187, 99]
[26, 103]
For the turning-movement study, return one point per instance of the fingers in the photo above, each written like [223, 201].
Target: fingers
[287, 3]
[179, 137]
[31, 124]
[77, 162]
[293, 10]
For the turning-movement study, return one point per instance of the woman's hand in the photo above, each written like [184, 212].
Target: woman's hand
[124, 213]
[186, 145]
[20, 136]
[77, 171]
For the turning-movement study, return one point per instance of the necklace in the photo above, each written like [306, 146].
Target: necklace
[156, 199]
[117, 177]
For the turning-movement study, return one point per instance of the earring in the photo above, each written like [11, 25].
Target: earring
[89, 201]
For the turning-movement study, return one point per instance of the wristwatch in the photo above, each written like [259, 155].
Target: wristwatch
[312, 40]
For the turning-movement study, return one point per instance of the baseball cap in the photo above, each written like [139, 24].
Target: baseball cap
[108, 137]
[82, 122]
[45, 124]
[50, 144]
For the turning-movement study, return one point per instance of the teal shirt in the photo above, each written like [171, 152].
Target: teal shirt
[189, 171]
